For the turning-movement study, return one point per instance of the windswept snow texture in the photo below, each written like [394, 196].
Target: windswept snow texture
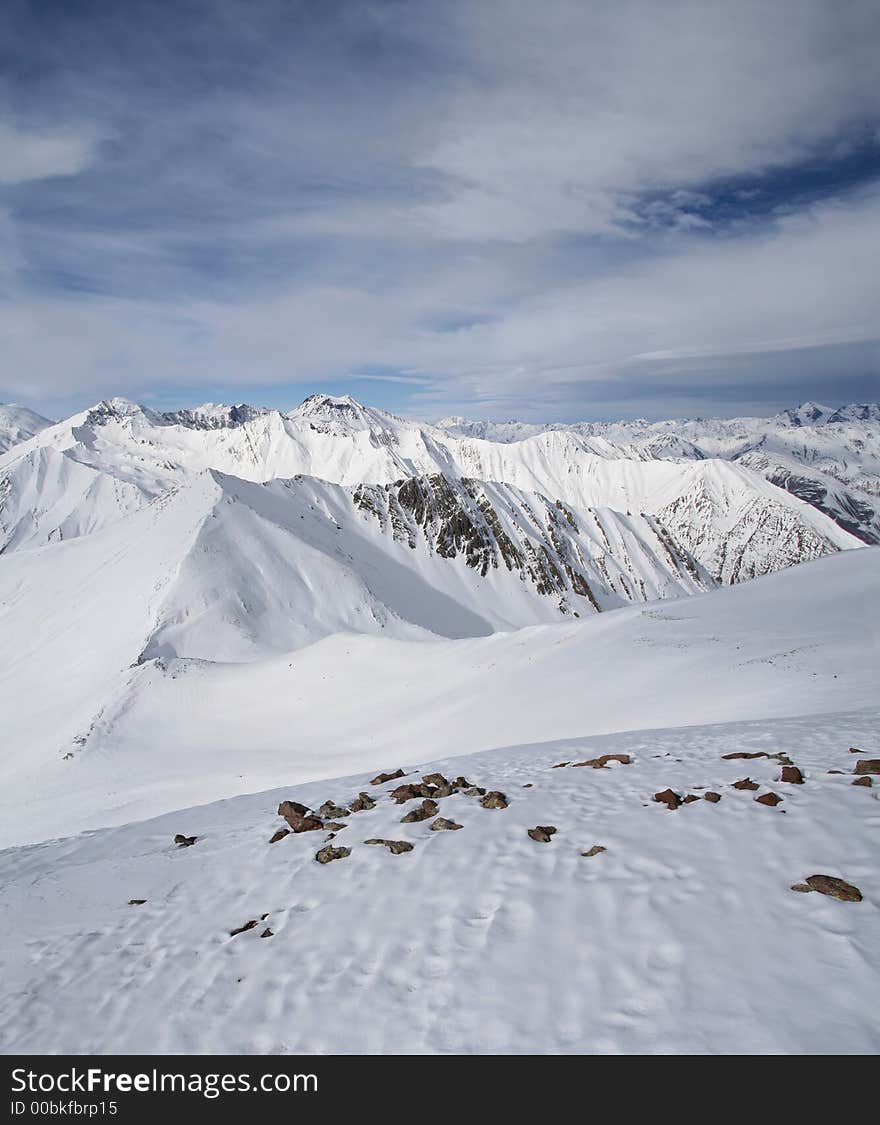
[682, 936]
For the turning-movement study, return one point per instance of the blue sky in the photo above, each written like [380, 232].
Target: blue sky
[488, 207]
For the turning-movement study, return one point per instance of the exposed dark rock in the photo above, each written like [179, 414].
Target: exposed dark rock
[473, 791]
[362, 803]
[444, 791]
[185, 841]
[743, 754]
[333, 826]
[690, 798]
[241, 929]
[745, 783]
[863, 781]
[713, 797]
[542, 833]
[804, 888]
[855, 750]
[287, 807]
[594, 850]
[494, 800]
[136, 901]
[836, 771]
[435, 779]
[460, 783]
[771, 799]
[410, 792]
[528, 785]
[332, 811]
[426, 809]
[304, 823]
[559, 766]
[267, 933]
[279, 835]
[792, 775]
[441, 822]
[668, 798]
[602, 761]
[837, 888]
[383, 777]
[329, 853]
[867, 765]
[396, 847]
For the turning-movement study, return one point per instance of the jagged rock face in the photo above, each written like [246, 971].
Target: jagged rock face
[502, 528]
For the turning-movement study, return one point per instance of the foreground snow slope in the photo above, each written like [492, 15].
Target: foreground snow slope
[682, 936]
[91, 745]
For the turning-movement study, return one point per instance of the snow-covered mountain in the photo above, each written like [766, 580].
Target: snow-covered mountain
[86, 472]
[18, 423]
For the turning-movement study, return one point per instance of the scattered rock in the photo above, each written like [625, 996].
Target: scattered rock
[746, 783]
[185, 841]
[443, 791]
[792, 775]
[836, 771]
[528, 785]
[711, 796]
[771, 799]
[868, 765]
[333, 826]
[804, 888]
[863, 781]
[363, 802]
[594, 850]
[329, 853]
[542, 833]
[396, 847]
[603, 760]
[559, 766]
[494, 800]
[690, 798]
[267, 933]
[460, 783]
[435, 779]
[441, 822]
[410, 792]
[136, 901]
[241, 929]
[279, 835]
[426, 809]
[854, 750]
[288, 807]
[304, 823]
[668, 798]
[473, 791]
[837, 888]
[743, 754]
[383, 777]
[331, 811]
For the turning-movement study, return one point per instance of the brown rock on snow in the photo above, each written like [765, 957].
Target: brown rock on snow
[329, 853]
[668, 798]
[288, 807]
[185, 841]
[771, 799]
[803, 888]
[426, 809]
[330, 810]
[473, 791]
[867, 765]
[241, 929]
[542, 833]
[837, 888]
[792, 775]
[690, 798]
[383, 777]
[136, 901]
[745, 783]
[441, 822]
[494, 800]
[279, 835]
[362, 803]
[396, 847]
[594, 850]
[333, 826]
[602, 761]
[743, 754]
[713, 797]
[435, 779]
[863, 781]
[267, 933]
[559, 766]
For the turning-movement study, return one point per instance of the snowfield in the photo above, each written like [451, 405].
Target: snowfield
[208, 612]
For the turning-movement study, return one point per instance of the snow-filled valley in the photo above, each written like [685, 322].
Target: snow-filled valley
[207, 612]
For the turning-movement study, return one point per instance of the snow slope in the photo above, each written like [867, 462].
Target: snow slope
[106, 740]
[682, 936]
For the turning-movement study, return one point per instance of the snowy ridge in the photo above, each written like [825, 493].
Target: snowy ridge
[18, 424]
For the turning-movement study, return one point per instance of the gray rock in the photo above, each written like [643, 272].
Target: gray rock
[329, 853]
